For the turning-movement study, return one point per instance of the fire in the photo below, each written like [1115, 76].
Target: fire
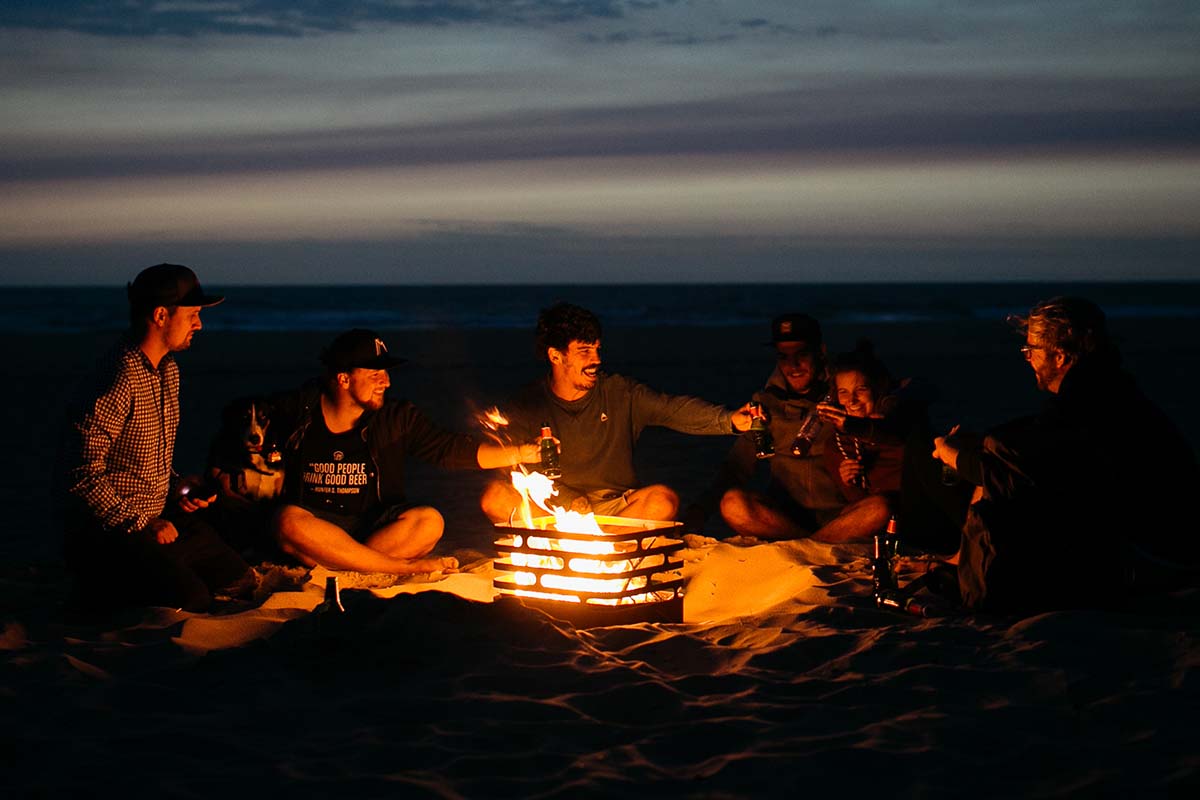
[493, 419]
[572, 552]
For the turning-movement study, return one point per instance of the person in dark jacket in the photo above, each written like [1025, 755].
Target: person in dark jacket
[345, 449]
[1085, 501]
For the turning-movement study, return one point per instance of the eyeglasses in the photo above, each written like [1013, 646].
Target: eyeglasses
[1029, 348]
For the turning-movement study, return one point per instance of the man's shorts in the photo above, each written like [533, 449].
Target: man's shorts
[609, 503]
[361, 527]
[810, 519]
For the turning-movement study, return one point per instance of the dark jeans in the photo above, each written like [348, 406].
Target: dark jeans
[119, 569]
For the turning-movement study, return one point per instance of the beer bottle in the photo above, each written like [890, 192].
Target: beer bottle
[883, 576]
[764, 447]
[893, 539]
[332, 604]
[810, 428]
[949, 475]
[549, 449]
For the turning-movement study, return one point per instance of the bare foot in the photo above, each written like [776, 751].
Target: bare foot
[446, 564]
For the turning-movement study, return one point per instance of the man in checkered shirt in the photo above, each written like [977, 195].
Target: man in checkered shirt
[131, 532]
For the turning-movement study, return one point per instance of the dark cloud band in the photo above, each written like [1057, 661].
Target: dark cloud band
[286, 17]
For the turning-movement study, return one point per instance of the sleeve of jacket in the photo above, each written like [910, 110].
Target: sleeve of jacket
[736, 470]
[678, 412]
[89, 441]
[424, 439]
[1006, 461]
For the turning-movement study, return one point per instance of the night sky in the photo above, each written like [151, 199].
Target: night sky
[597, 140]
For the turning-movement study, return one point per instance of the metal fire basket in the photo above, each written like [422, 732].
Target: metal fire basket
[571, 576]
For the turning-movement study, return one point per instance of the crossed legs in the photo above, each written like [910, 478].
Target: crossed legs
[399, 547]
[656, 502]
[751, 514]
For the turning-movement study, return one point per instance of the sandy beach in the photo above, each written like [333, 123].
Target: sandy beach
[783, 678]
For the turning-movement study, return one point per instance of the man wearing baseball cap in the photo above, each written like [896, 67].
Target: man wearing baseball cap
[131, 532]
[800, 496]
[344, 452]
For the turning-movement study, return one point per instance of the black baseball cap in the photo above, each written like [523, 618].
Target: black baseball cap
[358, 349]
[795, 328]
[169, 285]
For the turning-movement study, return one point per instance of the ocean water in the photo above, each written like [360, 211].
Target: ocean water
[407, 308]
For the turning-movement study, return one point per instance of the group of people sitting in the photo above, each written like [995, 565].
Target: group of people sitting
[1044, 511]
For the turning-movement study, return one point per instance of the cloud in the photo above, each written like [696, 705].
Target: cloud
[288, 18]
[943, 117]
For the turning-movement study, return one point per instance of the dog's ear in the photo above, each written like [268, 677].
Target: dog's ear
[235, 414]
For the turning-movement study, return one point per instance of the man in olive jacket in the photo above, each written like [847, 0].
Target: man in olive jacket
[598, 418]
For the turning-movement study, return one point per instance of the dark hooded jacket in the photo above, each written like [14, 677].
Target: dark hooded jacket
[396, 431]
[1083, 503]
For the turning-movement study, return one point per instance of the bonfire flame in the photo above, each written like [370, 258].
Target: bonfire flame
[493, 419]
[536, 488]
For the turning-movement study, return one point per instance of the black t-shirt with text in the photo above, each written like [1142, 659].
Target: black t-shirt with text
[337, 477]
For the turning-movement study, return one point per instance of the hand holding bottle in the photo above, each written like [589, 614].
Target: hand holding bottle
[764, 445]
[743, 418]
[833, 414]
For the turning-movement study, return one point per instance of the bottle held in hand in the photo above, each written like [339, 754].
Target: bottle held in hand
[949, 475]
[549, 448]
[810, 429]
[764, 447]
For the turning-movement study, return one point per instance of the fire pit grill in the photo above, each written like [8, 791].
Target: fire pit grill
[626, 573]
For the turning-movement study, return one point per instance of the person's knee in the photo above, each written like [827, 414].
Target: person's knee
[735, 506]
[660, 502]
[286, 526]
[498, 501]
[426, 521]
[877, 510]
[412, 534]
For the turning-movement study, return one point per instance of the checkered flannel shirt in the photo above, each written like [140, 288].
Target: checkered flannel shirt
[121, 445]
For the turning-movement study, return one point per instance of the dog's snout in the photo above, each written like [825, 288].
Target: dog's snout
[255, 438]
